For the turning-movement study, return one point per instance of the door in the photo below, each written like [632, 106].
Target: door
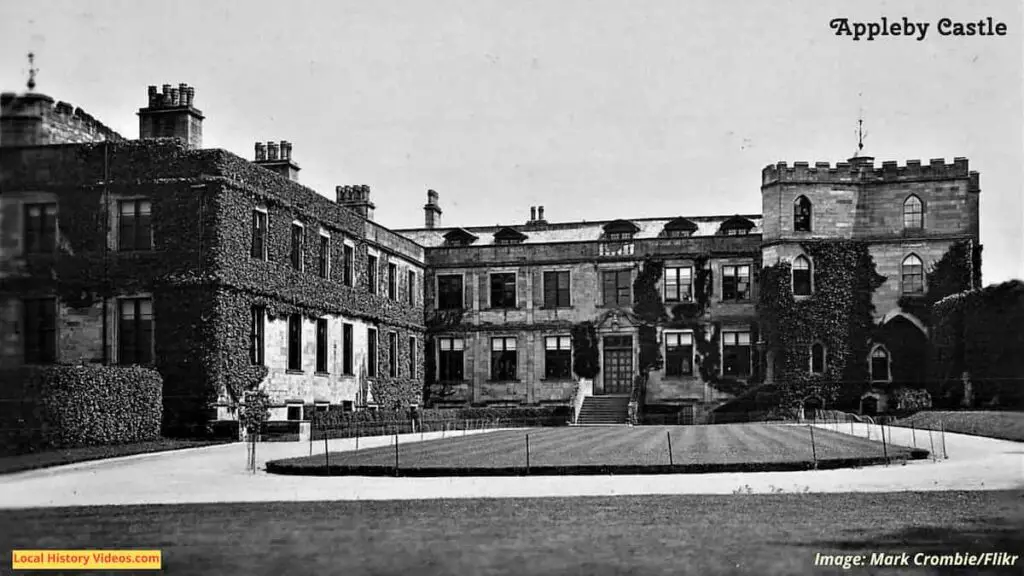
[618, 365]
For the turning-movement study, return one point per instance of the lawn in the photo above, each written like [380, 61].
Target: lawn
[606, 450]
[48, 458]
[1002, 425]
[752, 534]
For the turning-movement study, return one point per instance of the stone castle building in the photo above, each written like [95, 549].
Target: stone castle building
[227, 271]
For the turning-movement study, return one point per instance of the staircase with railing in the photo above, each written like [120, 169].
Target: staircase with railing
[603, 410]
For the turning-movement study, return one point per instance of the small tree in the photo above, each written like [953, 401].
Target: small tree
[253, 413]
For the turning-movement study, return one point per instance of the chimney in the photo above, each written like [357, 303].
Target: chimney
[357, 199]
[170, 114]
[540, 214]
[533, 214]
[277, 158]
[431, 211]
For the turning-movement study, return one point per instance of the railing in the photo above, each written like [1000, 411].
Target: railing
[584, 388]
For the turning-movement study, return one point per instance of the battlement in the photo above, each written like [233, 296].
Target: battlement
[180, 97]
[863, 170]
[35, 120]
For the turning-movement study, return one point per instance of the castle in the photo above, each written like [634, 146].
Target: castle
[226, 274]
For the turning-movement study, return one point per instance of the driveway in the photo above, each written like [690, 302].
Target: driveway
[219, 474]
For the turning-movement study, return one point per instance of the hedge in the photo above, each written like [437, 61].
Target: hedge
[71, 406]
[371, 420]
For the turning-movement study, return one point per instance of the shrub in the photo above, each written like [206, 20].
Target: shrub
[71, 406]
[908, 400]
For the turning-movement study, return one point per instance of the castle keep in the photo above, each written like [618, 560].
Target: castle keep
[226, 274]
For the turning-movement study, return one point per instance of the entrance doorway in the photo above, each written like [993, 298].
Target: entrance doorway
[618, 365]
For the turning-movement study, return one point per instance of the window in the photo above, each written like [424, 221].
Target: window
[297, 248]
[40, 229]
[449, 292]
[556, 290]
[411, 283]
[295, 342]
[259, 235]
[503, 290]
[393, 281]
[134, 225]
[371, 274]
[347, 347]
[913, 275]
[40, 330]
[557, 357]
[736, 353]
[913, 213]
[321, 345]
[348, 262]
[503, 359]
[801, 276]
[817, 358]
[880, 364]
[616, 285]
[392, 354]
[324, 261]
[735, 282]
[620, 236]
[295, 411]
[135, 331]
[449, 359]
[678, 354]
[678, 284]
[802, 214]
[371, 352]
[412, 357]
[257, 335]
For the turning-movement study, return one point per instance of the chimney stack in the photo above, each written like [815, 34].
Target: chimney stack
[357, 199]
[277, 157]
[169, 114]
[431, 211]
[540, 214]
[533, 214]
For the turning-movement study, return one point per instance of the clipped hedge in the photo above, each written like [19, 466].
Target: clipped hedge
[72, 406]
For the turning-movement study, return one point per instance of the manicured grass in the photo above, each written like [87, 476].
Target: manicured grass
[1002, 425]
[750, 534]
[22, 462]
[606, 450]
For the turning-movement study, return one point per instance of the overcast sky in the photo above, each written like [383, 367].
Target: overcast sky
[593, 109]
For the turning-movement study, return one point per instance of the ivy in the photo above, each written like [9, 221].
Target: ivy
[959, 269]
[586, 358]
[200, 275]
[839, 315]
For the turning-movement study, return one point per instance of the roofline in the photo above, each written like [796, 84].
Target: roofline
[575, 223]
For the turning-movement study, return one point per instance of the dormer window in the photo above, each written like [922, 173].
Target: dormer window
[680, 228]
[620, 231]
[736, 226]
[459, 237]
[508, 236]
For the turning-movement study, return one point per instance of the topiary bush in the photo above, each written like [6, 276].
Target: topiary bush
[72, 406]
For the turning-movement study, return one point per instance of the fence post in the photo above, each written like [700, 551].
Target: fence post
[527, 454]
[931, 442]
[327, 455]
[465, 427]
[913, 434]
[814, 449]
[885, 449]
[942, 427]
[669, 436]
[396, 454]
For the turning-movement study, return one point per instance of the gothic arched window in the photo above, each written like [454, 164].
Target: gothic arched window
[801, 276]
[913, 275]
[802, 214]
[913, 213]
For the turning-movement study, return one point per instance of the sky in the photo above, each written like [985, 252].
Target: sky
[593, 109]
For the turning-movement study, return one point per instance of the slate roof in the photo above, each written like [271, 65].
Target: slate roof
[648, 228]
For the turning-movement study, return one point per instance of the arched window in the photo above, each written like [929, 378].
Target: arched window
[913, 213]
[913, 275]
[817, 358]
[802, 214]
[879, 364]
[801, 276]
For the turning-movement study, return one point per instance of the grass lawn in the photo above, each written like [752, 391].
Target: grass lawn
[603, 450]
[22, 462]
[754, 534]
[995, 424]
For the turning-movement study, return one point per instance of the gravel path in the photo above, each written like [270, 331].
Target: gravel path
[218, 474]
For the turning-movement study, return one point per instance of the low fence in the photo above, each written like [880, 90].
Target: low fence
[325, 429]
